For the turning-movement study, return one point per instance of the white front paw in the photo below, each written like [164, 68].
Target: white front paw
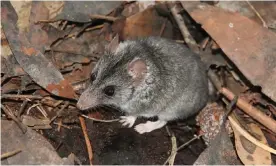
[142, 128]
[127, 120]
[149, 126]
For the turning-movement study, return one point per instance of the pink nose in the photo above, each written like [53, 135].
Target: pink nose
[86, 101]
[83, 104]
[79, 105]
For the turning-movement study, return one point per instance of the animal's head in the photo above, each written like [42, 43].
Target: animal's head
[115, 77]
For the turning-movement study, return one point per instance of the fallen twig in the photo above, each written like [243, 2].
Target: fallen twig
[87, 141]
[57, 103]
[59, 125]
[168, 131]
[21, 96]
[94, 28]
[100, 120]
[257, 13]
[29, 109]
[251, 110]
[17, 121]
[188, 142]
[272, 109]
[22, 108]
[59, 145]
[64, 25]
[28, 97]
[204, 43]
[103, 17]
[245, 106]
[183, 29]
[62, 125]
[42, 110]
[183, 145]
[163, 27]
[9, 154]
[174, 150]
[83, 29]
[60, 111]
[47, 21]
[180, 41]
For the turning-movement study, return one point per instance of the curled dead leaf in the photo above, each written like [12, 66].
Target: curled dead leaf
[249, 153]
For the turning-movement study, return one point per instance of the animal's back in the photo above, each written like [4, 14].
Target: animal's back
[181, 81]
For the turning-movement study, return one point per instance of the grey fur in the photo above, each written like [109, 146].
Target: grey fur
[176, 85]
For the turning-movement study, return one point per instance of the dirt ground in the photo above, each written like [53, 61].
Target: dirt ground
[114, 144]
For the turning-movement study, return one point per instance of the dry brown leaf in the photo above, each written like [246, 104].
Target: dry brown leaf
[143, 24]
[54, 7]
[264, 9]
[23, 10]
[136, 7]
[5, 48]
[249, 153]
[245, 42]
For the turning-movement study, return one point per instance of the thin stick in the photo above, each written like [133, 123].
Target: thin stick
[59, 125]
[65, 126]
[58, 146]
[183, 145]
[57, 10]
[41, 109]
[59, 111]
[9, 154]
[53, 106]
[77, 34]
[183, 29]
[27, 97]
[21, 96]
[180, 41]
[58, 103]
[103, 17]
[87, 141]
[22, 108]
[204, 43]
[64, 25]
[65, 51]
[257, 13]
[251, 110]
[243, 105]
[17, 121]
[100, 120]
[174, 150]
[163, 27]
[29, 109]
[47, 21]
[187, 143]
[94, 28]
[168, 131]
[249, 137]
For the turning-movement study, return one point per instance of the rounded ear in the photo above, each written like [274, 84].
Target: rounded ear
[137, 68]
[113, 45]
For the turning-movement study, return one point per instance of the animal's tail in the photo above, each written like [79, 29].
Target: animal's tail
[213, 96]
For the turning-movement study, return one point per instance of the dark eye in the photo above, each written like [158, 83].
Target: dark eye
[93, 77]
[109, 90]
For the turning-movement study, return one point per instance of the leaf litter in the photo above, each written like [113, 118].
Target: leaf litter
[50, 48]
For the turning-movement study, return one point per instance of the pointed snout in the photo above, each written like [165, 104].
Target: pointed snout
[86, 101]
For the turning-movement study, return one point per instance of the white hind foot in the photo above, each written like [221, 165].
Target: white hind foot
[149, 126]
[128, 120]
